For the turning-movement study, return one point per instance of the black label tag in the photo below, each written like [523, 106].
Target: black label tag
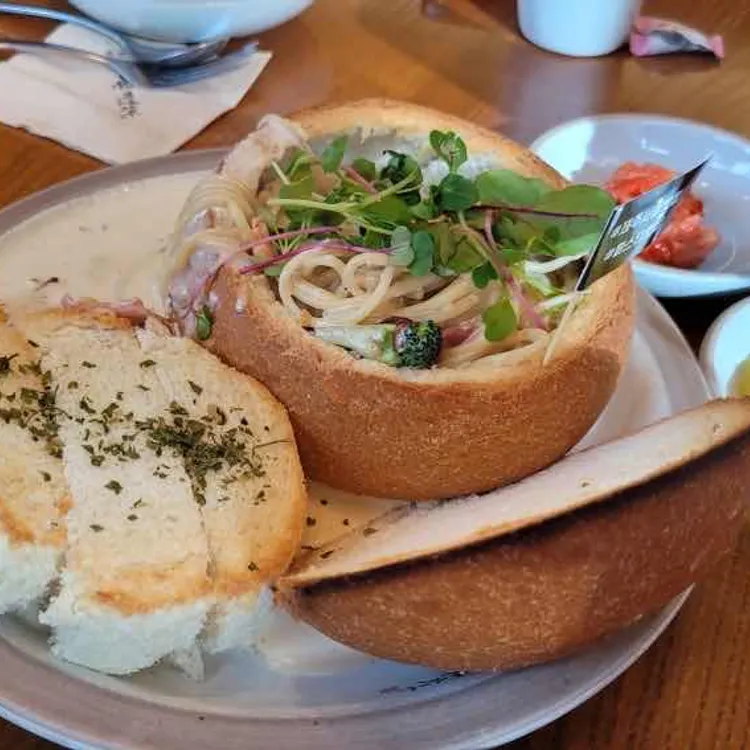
[632, 226]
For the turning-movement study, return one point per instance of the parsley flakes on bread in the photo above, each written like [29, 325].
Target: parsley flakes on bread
[186, 496]
[34, 497]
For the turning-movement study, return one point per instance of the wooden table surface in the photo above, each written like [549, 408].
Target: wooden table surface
[690, 691]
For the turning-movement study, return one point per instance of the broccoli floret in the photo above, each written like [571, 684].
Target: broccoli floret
[417, 344]
[403, 343]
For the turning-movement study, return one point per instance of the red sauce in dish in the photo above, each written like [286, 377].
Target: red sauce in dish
[686, 241]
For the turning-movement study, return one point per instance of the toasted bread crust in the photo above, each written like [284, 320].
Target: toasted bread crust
[548, 591]
[152, 588]
[368, 428]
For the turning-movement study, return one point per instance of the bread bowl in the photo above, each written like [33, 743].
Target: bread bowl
[542, 568]
[362, 425]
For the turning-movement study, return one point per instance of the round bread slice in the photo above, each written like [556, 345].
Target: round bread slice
[540, 569]
[187, 497]
[376, 430]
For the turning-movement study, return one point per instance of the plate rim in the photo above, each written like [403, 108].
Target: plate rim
[734, 281]
[87, 737]
[61, 728]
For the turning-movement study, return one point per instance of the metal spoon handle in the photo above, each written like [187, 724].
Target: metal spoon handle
[123, 68]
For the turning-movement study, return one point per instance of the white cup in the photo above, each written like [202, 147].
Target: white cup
[578, 28]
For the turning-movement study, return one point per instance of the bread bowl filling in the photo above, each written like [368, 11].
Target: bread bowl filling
[409, 252]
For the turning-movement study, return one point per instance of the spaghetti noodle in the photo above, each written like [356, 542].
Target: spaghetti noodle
[341, 264]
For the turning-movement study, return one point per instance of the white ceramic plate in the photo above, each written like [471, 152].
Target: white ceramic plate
[725, 346]
[192, 20]
[591, 148]
[307, 692]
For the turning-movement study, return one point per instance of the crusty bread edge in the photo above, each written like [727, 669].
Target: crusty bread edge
[305, 574]
[547, 591]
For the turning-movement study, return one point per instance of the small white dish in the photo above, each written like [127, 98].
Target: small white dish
[589, 149]
[725, 346]
[192, 20]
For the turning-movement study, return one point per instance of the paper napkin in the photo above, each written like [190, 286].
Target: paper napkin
[88, 108]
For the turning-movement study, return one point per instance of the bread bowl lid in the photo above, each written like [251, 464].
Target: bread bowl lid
[425, 530]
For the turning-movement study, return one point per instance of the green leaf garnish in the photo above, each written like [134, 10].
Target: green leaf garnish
[584, 199]
[499, 320]
[457, 193]
[403, 256]
[399, 168]
[309, 211]
[299, 190]
[498, 187]
[449, 147]
[339, 194]
[365, 168]
[389, 209]
[551, 235]
[523, 236]
[204, 324]
[299, 164]
[576, 199]
[474, 218]
[445, 243]
[577, 245]
[440, 230]
[424, 210]
[482, 275]
[424, 253]
[274, 271]
[375, 240]
[466, 256]
[333, 154]
[402, 253]
[511, 255]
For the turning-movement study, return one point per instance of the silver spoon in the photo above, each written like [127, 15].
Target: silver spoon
[137, 48]
[146, 75]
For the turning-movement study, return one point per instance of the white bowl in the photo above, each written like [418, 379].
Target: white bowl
[725, 346]
[192, 20]
[591, 148]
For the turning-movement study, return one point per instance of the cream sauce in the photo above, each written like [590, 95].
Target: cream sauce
[109, 245]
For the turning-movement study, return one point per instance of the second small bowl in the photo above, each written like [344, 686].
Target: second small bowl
[726, 346]
[590, 149]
